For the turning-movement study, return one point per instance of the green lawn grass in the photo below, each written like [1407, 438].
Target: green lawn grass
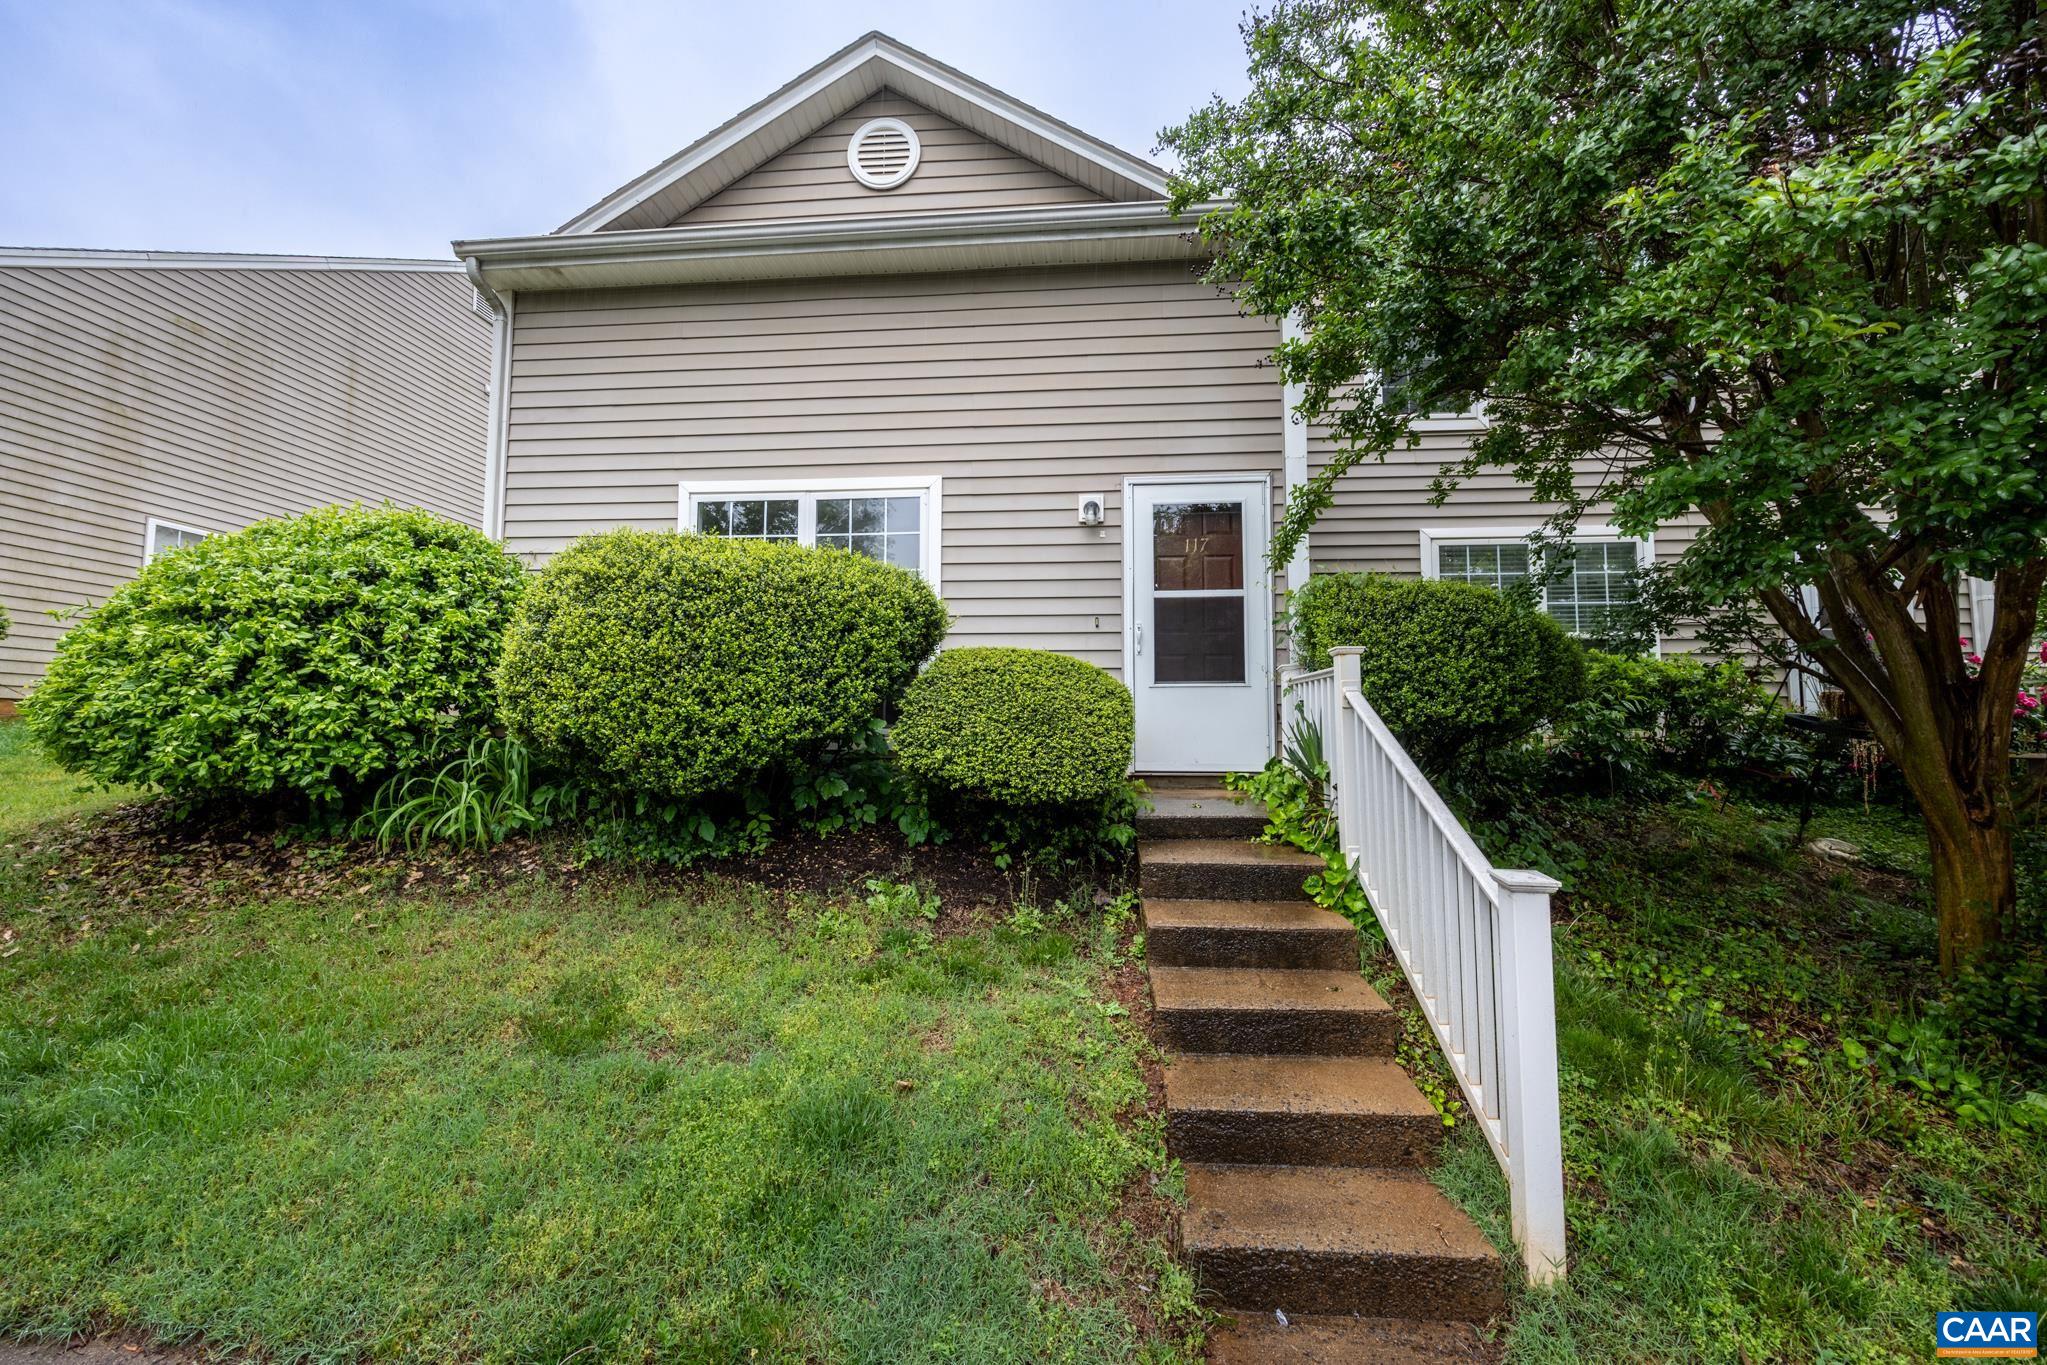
[1742, 1189]
[610, 1120]
[34, 790]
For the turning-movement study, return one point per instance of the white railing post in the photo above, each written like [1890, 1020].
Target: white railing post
[1343, 661]
[1528, 1039]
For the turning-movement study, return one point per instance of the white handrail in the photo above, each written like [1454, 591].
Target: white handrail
[1473, 941]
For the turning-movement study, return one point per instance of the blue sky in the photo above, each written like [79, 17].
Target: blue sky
[387, 128]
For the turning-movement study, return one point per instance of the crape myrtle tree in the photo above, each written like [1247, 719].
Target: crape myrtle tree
[1781, 264]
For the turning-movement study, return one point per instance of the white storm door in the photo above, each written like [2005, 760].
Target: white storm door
[1200, 646]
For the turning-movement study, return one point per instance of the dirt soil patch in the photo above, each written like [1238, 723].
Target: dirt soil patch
[139, 858]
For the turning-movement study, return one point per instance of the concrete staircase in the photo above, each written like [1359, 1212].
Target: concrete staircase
[1309, 1214]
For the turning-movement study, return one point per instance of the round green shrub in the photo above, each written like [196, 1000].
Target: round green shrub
[310, 657]
[681, 665]
[1020, 727]
[1454, 668]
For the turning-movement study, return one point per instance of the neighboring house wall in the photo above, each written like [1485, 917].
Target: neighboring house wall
[958, 170]
[1021, 390]
[209, 398]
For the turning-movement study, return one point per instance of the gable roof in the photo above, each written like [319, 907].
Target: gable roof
[853, 74]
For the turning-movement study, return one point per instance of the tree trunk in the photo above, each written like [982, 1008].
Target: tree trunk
[1948, 731]
[1975, 887]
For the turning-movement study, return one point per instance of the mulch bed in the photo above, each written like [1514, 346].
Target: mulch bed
[139, 857]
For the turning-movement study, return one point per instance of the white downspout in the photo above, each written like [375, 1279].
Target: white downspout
[496, 424]
[1294, 445]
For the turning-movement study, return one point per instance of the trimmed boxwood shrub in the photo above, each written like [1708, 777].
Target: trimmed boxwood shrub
[1020, 727]
[682, 665]
[308, 657]
[1455, 668]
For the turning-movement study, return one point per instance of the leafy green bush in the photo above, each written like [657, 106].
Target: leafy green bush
[1642, 719]
[1455, 669]
[1019, 727]
[674, 666]
[308, 657]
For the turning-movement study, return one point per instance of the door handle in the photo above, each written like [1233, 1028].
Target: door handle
[1140, 637]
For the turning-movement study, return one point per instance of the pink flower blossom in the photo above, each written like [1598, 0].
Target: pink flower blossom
[1976, 659]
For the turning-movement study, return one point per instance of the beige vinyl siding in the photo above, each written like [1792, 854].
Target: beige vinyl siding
[211, 398]
[1022, 390]
[1376, 522]
[958, 170]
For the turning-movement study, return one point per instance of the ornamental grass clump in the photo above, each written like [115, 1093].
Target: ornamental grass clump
[300, 660]
[675, 667]
[1018, 727]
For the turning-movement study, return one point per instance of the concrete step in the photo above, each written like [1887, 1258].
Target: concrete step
[1322, 1239]
[1200, 811]
[1222, 869]
[1248, 934]
[1267, 1012]
[1308, 1111]
[1319, 1339]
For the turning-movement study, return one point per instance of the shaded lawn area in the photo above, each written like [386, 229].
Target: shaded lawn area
[606, 1118]
[1742, 1188]
[34, 790]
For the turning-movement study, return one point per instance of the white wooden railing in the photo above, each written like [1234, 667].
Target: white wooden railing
[1472, 939]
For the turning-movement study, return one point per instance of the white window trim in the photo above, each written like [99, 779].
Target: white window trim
[151, 525]
[1474, 418]
[931, 490]
[1434, 538]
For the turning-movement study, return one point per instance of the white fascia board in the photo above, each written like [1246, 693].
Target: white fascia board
[1023, 116]
[636, 192]
[88, 258]
[874, 47]
[873, 233]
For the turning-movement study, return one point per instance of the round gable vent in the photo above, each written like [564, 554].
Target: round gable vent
[883, 153]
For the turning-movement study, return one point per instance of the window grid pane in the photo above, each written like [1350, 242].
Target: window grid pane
[887, 527]
[1601, 578]
[1495, 565]
[164, 538]
[883, 528]
[748, 518]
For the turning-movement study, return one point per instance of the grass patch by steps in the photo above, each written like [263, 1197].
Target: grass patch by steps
[1745, 1187]
[614, 1120]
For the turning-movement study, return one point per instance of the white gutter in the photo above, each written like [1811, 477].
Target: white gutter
[1293, 443]
[988, 230]
[496, 423]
